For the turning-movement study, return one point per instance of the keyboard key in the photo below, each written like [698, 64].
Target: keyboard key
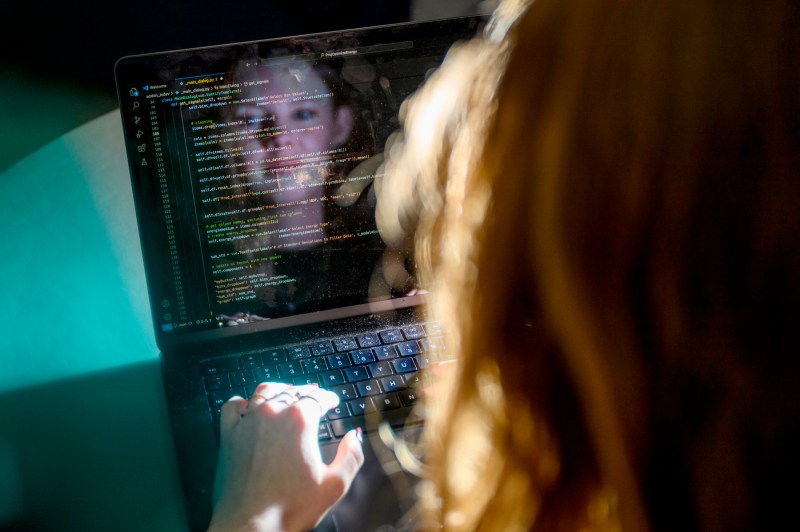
[344, 391]
[250, 361]
[332, 378]
[274, 356]
[290, 370]
[219, 365]
[432, 344]
[218, 397]
[368, 340]
[412, 380]
[409, 348]
[407, 397]
[297, 352]
[345, 344]
[362, 406]
[324, 432]
[218, 382]
[422, 361]
[356, 373]
[339, 361]
[367, 388]
[380, 369]
[340, 427]
[314, 365]
[400, 418]
[267, 374]
[404, 365]
[321, 348]
[306, 379]
[391, 336]
[413, 332]
[386, 352]
[393, 383]
[242, 377]
[389, 401]
[338, 412]
[362, 356]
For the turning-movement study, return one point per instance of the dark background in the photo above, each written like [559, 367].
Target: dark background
[80, 41]
[58, 57]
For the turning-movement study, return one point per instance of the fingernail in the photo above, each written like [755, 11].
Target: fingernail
[359, 435]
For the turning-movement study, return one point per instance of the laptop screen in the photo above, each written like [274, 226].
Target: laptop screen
[253, 168]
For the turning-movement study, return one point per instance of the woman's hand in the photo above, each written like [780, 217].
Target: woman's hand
[270, 474]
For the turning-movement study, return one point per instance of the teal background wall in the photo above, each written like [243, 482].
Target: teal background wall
[73, 276]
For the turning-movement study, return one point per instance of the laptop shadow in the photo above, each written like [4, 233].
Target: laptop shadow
[90, 453]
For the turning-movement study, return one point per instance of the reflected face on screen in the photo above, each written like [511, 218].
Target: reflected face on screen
[304, 126]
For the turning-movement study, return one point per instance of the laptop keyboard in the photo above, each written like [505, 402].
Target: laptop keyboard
[372, 373]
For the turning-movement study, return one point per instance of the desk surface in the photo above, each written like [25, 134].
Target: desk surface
[85, 441]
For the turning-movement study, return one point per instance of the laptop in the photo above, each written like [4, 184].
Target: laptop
[253, 168]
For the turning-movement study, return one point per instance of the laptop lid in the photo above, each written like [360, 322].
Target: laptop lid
[252, 167]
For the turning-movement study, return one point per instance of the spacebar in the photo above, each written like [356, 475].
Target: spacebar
[396, 418]
[340, 427]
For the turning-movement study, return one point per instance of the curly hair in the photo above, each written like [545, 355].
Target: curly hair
[604, 208]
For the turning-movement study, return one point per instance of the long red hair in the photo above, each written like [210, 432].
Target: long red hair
[609, 230]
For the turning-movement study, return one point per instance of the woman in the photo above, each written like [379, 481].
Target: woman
[610, 236]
